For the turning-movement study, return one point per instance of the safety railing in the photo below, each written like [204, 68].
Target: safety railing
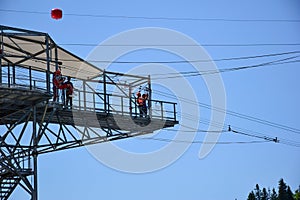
[88, 100]
[122, 105]
[20, 77]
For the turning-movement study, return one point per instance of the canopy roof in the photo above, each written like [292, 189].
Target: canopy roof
[37, 50]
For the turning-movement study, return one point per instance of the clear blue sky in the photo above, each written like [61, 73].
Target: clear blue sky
[271, 93]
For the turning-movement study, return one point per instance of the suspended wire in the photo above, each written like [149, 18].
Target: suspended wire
[193, 130]
[198, 73]
[189, 61]
[251, 132]
[287, 141]
[221, 126]
[251, 135]
[209, 72]
[276, 139]
[264, 138]
[236, 129]
[174, 45]
[181, 45]
[232, 113]
[293, 144]
[222, 129]
[158, 18]
[202, 142]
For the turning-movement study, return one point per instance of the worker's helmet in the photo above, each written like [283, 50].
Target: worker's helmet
[57, 72]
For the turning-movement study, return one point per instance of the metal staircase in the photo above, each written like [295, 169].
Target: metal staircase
[8, 185]
[12, 171]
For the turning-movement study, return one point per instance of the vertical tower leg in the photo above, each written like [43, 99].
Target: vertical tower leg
[35, 184]
[35, 188]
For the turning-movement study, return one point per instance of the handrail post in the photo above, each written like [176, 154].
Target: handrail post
[30, 78]
[107, 95]
[13, 74]
[84, 96]
[130, 101]
[48, 66]
[162, 110]
[122, 105]
[174, 110]
[8, 75]
[104, 91]
[79, 99]
[94, 101]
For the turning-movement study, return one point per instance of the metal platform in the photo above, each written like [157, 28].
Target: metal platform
[77, 126]
[14, 100]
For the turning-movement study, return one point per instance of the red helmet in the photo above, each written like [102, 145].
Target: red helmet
[57, 72]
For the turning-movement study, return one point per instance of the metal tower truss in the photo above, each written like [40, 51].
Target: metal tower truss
[31, 123]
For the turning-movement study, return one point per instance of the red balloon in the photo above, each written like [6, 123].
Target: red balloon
[56, 13]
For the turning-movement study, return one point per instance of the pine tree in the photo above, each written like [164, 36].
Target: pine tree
[290, 195]
[264, 194]
[257, 192]
[282, 190]
[273, 195]
[251, 196]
